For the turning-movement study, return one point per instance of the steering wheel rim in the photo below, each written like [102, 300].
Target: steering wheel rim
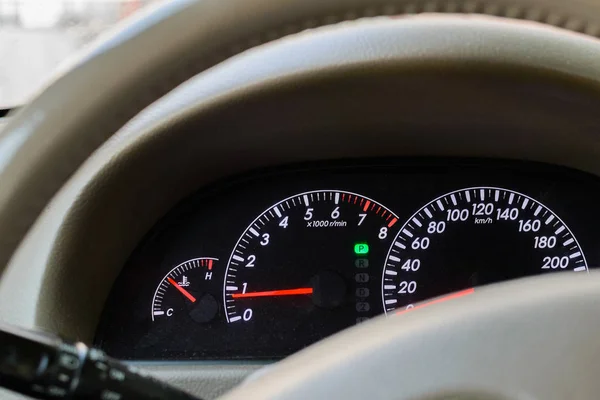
[507, 341]
[42, 146]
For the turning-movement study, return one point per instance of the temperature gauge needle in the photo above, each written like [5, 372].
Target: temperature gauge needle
[272, 293]
[182, 290]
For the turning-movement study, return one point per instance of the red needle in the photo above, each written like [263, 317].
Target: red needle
[440, 300]
[182, 290]
[287, 292]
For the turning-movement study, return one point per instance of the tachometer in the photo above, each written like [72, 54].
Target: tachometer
[303, 268]
[471, 237]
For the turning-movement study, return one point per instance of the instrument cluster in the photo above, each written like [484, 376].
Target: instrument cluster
[262, 265]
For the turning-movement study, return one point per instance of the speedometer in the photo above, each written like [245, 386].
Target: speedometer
[472, 237]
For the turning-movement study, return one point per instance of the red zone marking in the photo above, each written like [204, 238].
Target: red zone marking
[367, 204]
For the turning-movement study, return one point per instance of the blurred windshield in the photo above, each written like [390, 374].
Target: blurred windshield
[37, 35]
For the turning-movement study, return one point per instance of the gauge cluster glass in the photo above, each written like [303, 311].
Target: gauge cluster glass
[262, 265]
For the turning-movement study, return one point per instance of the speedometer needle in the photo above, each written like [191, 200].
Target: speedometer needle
[182, 290]
[442, 299]
[270, 293]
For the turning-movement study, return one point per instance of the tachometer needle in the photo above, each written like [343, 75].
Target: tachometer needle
[286, 292]
[182, 290]
[440, 300]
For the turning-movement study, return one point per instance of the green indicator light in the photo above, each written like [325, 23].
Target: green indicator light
[361, 248]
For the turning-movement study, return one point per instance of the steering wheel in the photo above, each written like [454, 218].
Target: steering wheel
[530, 339]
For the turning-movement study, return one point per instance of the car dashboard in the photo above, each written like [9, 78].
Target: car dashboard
[261, 265]
[275, 200]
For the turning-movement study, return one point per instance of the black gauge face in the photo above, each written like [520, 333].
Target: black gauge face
[306, 262]
[286, 272]
[473, 237]
[185, 292]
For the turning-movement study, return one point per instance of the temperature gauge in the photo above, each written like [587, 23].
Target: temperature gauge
[185, 292]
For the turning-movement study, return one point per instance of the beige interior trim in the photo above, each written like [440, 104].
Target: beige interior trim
[47, 140]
